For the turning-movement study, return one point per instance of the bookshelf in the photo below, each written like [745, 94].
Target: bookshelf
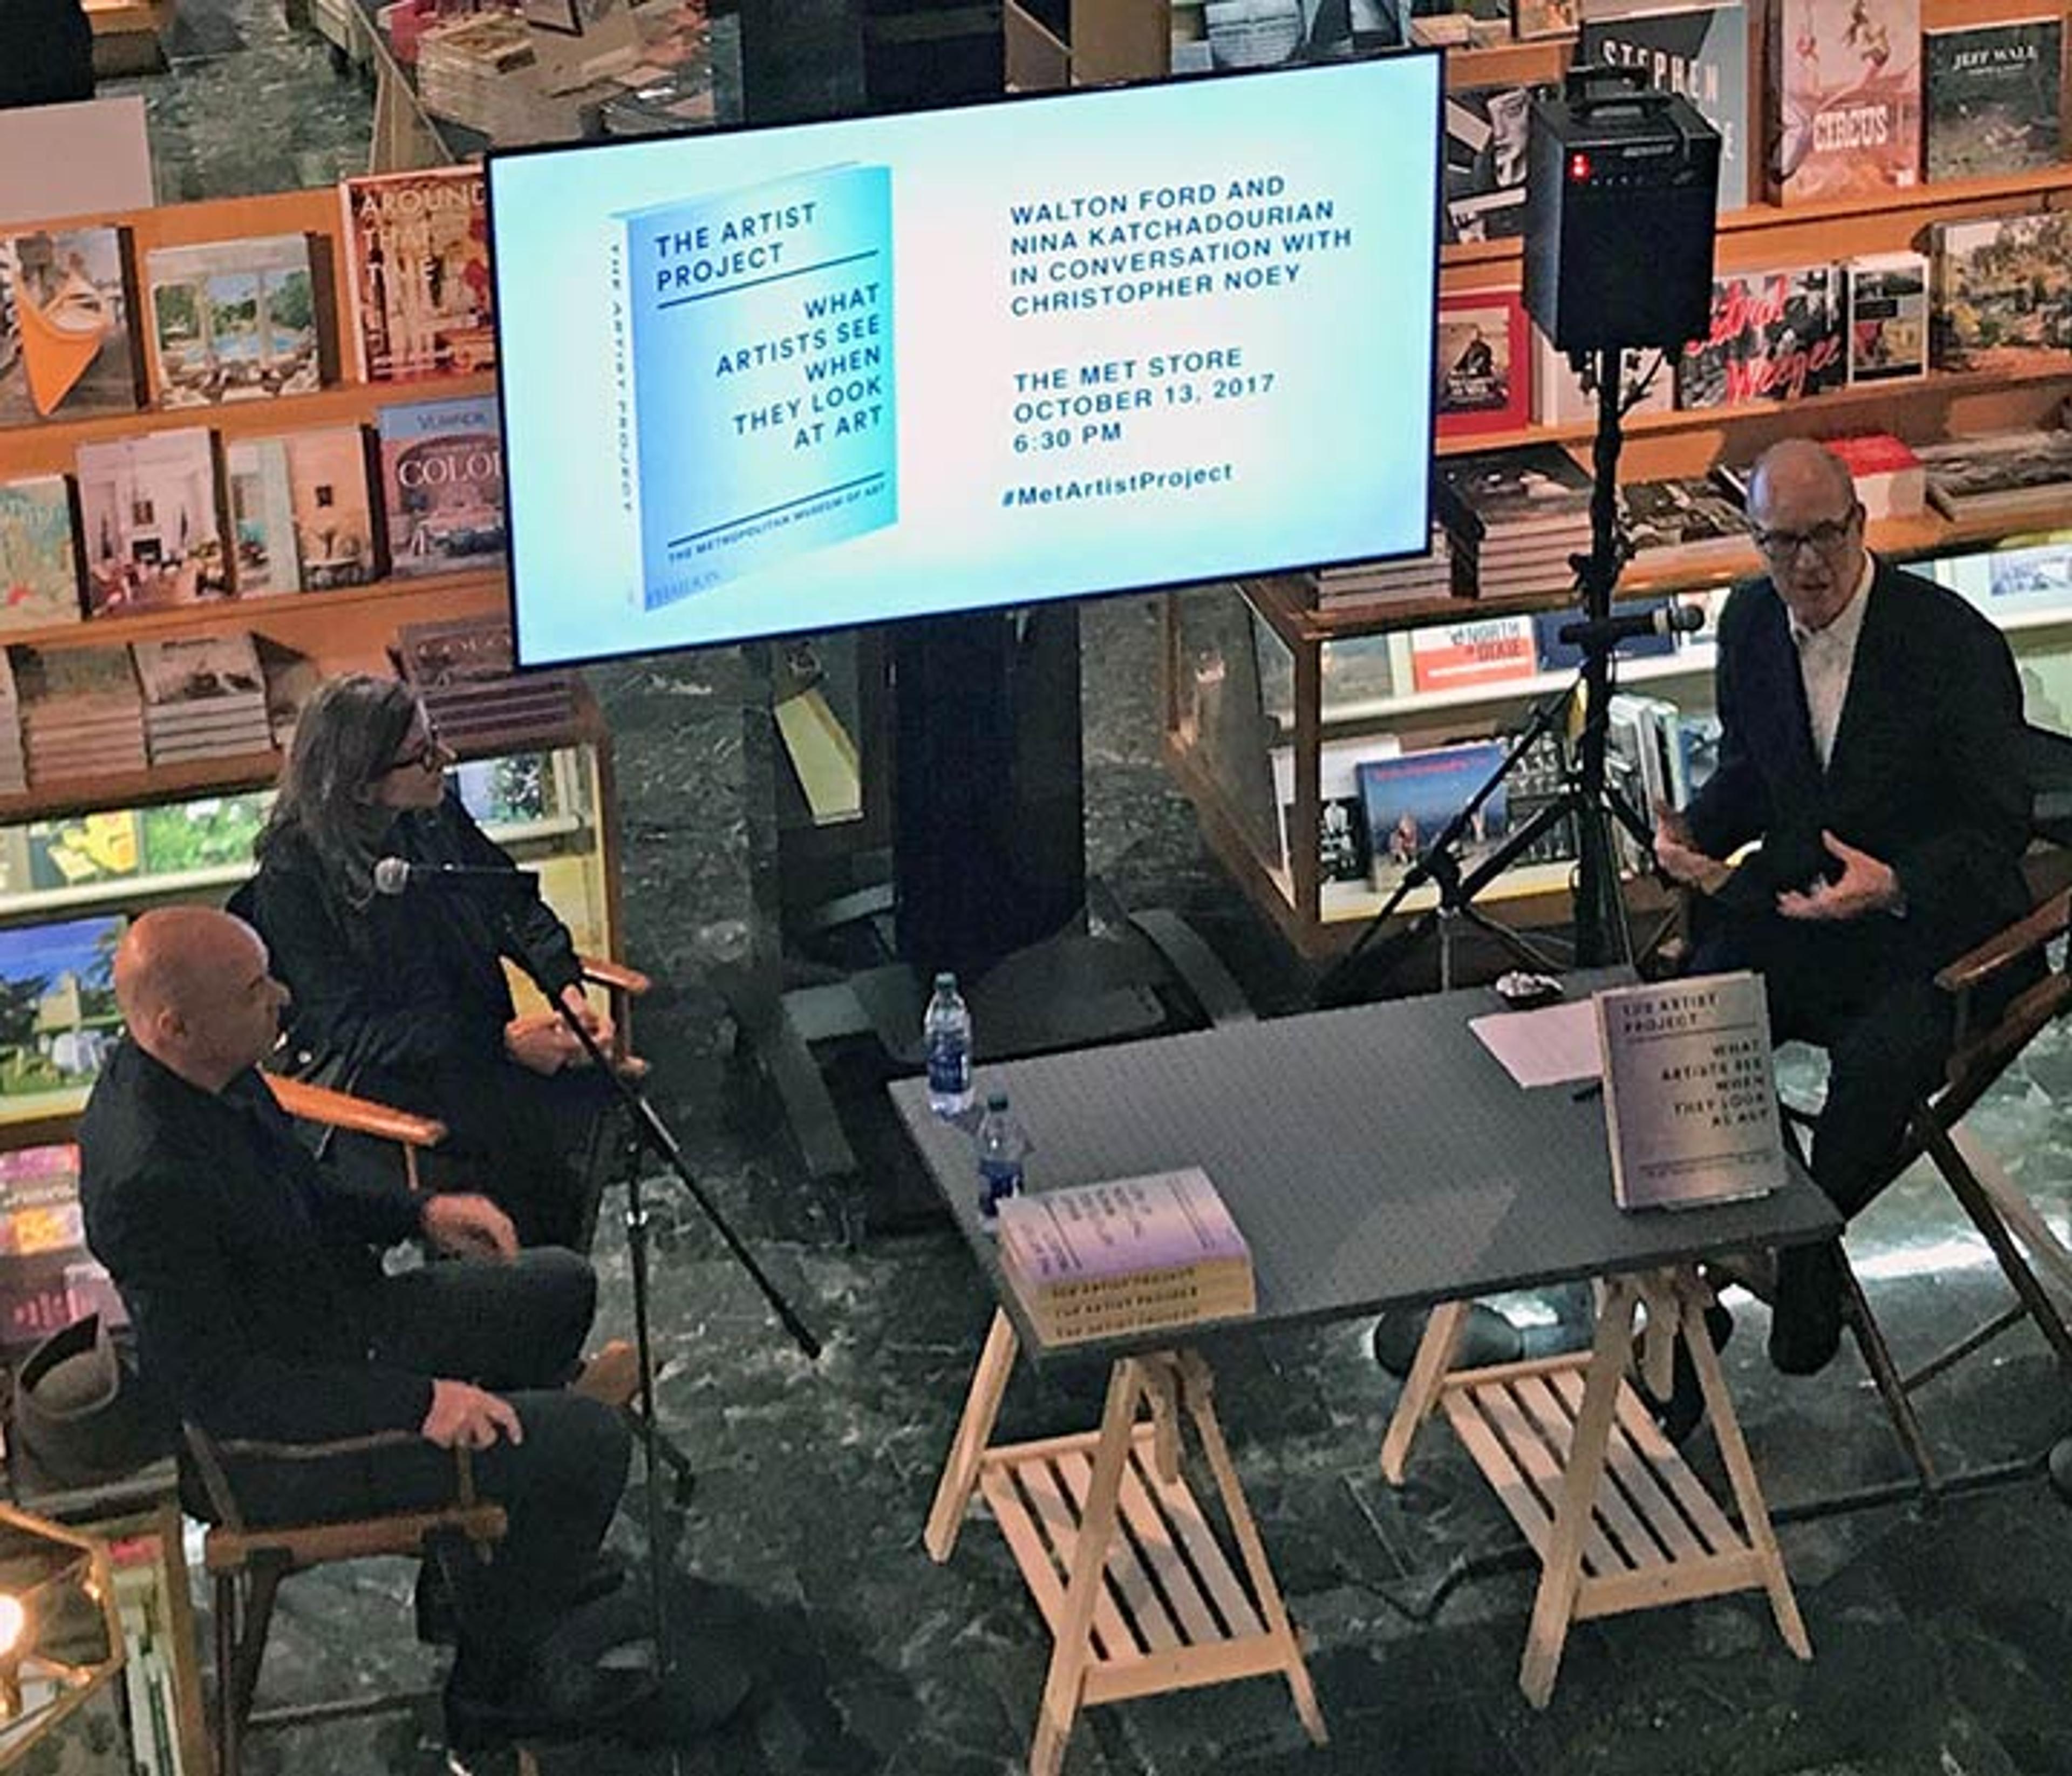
[1221, 750]
[573, 842]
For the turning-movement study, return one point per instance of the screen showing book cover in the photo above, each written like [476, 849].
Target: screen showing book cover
[799, 378]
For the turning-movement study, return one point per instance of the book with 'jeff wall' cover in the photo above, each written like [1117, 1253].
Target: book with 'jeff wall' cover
[745, 448]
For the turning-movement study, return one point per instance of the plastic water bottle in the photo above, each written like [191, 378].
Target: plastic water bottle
[946, 1037]
[1003, 1143]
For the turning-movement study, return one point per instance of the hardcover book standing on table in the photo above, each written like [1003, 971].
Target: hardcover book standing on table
[1690, 1092]
[1843, 116]
[67, 304]
[795, 445]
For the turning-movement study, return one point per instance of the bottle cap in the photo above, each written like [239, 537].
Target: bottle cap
[946, 982]
[995, 1100]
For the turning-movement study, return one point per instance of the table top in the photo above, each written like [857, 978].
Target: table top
[1373, 1157]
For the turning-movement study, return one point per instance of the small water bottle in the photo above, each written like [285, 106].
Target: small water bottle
[946, 1037]
[1003, 1143]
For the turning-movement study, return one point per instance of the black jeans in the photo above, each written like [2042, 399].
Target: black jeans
[517, 1329]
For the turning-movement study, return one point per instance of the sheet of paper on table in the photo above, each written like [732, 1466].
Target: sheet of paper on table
[1548, 1046]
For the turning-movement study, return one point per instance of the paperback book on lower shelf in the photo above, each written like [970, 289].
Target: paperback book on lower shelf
[1127, 1254]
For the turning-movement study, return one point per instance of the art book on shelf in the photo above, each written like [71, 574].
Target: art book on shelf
[1891, 480]
[62, 973]
[1482, 380]
[1991, 101]
[1495, 494]
[149, 512]
[2003, 293]
[1697, 50]
[1483, 651]
[2002, 473]
[1689, 1092]
[442, 484]
[205, 834]
[1565, 394]
[300, 513]
[39, 1209]
[39, 570]
[1484, 195]
[101, 846]
[418, 247]
[1678, 521]
[1888, 326]
[745, 449]
[1343, 861]
[234, 320]
[1773, 335]
[1410, 799]
[67, 310]
[1843, 116]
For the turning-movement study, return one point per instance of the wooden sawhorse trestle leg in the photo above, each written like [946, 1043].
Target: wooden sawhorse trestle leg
[1138, 1592]
[1618, 1521]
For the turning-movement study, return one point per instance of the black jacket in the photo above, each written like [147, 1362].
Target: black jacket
[408, 983]
[1928, 770]
[246, 1274]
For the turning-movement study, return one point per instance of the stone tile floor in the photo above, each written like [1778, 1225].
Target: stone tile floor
[1943, 1643]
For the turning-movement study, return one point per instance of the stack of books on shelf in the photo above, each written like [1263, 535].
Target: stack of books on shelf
[1410, 580]
[1513, 518]
[462, 670]
[204, 697]
[1688, 521]
[2007, 475]
[82, 713]
[1105, 1260]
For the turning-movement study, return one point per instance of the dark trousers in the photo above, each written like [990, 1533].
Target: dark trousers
[1859, 990]
[517, 1329]
[519, 1138]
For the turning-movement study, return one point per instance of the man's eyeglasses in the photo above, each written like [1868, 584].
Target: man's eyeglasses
[430, 754]
[1783, 545]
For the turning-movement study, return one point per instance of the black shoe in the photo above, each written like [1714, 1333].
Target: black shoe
[1684, 1410]
[438, 1621]
[514, 1715]
[1805, 1318]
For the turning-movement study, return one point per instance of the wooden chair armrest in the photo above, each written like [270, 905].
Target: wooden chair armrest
[362, 1115]
[1980, 964]
[615, 975]
[210, 1452]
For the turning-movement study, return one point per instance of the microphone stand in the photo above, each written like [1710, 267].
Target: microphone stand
[656, 1135]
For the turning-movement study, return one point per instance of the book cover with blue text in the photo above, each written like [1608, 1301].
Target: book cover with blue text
[757, 411]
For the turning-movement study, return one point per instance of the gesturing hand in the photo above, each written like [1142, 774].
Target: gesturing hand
[1677, 855]
[463, 1416]
[468, 1226]
[1866, 885]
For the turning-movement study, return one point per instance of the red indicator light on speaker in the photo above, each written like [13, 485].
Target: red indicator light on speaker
[1579, 168]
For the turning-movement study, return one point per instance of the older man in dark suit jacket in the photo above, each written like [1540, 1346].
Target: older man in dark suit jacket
[261, 1309]
[1871, 745]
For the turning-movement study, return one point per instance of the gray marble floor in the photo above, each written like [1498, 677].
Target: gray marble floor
[1942, 1642]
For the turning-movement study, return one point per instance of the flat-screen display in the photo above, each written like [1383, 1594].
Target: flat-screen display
[797, 378]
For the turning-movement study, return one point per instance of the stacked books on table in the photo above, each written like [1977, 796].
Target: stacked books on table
[1411, 580]
[1514, 518]
[462, 670]
[480, 71]
[204, 697]
[82, 713]
[1133, 1255]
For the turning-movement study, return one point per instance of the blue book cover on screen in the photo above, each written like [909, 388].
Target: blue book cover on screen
[756, 378]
